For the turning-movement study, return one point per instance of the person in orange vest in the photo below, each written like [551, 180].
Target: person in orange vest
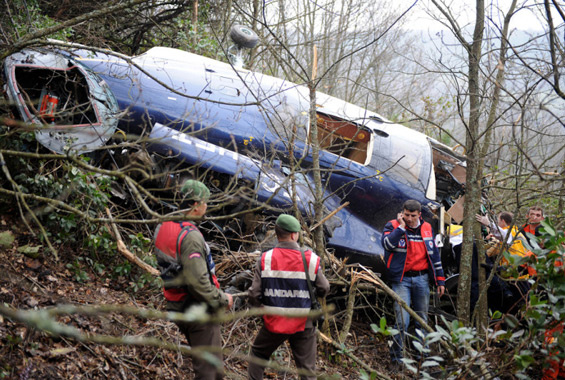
[535, 217]
[280, 283]
[188, 270]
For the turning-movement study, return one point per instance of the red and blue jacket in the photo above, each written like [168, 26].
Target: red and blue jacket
[284, 287]
[395, 242]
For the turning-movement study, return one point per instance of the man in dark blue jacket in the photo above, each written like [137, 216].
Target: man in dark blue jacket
[411, 256]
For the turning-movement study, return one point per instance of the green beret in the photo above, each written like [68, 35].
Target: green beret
[288, 223]
[195, 191]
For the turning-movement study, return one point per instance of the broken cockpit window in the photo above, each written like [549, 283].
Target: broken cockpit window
[58, 97]
[71, 106]
[344, 138]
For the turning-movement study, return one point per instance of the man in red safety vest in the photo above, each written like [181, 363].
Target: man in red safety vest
[188, 271]
[280, 283]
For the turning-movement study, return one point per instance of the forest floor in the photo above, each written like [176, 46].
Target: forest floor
[43, 282]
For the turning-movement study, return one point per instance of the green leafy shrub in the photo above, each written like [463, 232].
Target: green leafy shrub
[545, 312]
[77, 270]
[87, 192]
[27, 17]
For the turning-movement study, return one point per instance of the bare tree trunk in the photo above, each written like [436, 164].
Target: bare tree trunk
[473, 191]
[482, 310]
[195, 22]
[318, 188]
[254, 23]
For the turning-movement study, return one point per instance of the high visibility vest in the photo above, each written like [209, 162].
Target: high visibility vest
[168, 240]
[528, 228]
[284, 287]
[455, 232]
[516, 248]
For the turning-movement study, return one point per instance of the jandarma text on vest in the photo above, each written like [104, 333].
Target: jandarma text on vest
[287, 293]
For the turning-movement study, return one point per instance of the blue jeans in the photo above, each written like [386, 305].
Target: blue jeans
[415, 291]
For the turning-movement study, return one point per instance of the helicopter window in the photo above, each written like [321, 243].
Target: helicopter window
[60, 97]
[344, 138]
[405, 160]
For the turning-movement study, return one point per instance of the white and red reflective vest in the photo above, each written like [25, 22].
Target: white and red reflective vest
[168, 240]
[284, 287]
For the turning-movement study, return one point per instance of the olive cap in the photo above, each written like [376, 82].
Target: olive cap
[288, 223]
[193, 190]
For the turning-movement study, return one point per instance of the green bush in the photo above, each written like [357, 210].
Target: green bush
[27, 17]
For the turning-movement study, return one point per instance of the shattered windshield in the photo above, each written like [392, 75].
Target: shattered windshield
[403, 158]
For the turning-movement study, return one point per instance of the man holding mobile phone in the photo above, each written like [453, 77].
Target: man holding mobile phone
[411, 257]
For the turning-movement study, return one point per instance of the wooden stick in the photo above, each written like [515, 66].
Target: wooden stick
[328, 216]
[127, 253]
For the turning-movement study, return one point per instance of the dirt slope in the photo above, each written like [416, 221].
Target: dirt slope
[27, 283]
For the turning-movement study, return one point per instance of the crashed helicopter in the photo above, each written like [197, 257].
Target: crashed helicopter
[242, 127]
